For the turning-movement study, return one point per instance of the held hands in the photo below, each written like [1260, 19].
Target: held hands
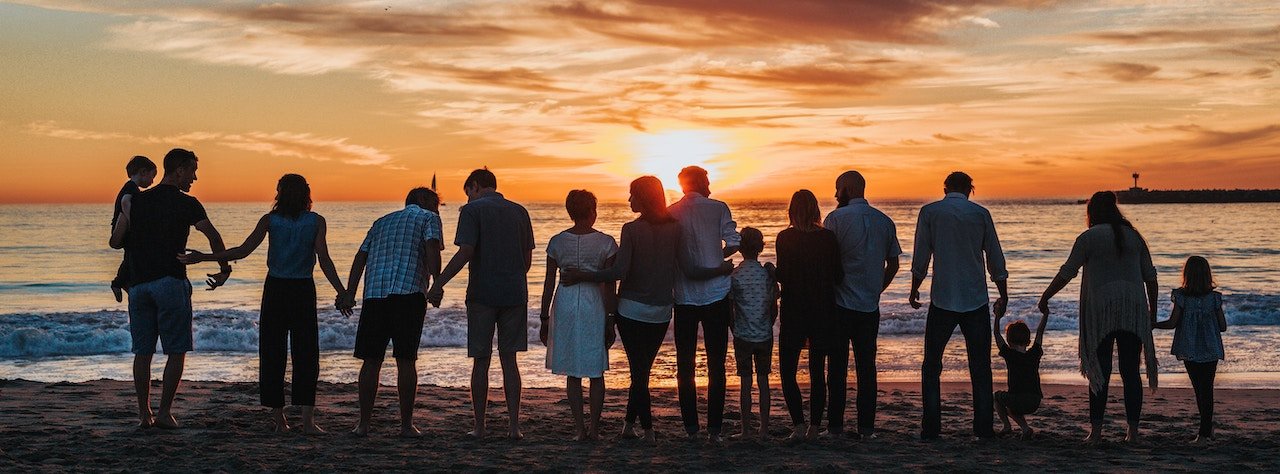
[609, 335]
[346, 303]
[727, 266]
[1001, 305]
[914, 299]
[435, 295]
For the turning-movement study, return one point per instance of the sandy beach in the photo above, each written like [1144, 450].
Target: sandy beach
[90, 427]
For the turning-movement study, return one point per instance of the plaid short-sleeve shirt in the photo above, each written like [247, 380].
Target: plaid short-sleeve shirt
[395, 243]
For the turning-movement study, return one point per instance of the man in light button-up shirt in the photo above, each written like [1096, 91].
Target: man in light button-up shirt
[957, 233]
[704, 225]
[869, 253]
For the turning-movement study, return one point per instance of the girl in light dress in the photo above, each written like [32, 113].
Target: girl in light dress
[574, 318]
[1198, 323]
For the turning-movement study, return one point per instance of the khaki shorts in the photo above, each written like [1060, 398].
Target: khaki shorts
[511, 323]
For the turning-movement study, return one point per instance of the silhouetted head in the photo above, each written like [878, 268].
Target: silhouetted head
[958, 182]
[1103, 209]
[141, 170]
[581, 205]
[752, 243]
[478, 182]
[693, 179]
[1018, 334]
[1197, 277]
[649, 198]
[803, 211]
[849, 186]
[180, 168]
[293, 196]
[423, 197]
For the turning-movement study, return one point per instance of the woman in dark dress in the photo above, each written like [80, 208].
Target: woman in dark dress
[808, 270]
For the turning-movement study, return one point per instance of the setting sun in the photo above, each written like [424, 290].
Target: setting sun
[663, 154]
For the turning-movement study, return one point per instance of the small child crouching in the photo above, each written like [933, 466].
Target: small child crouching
[1022, 358]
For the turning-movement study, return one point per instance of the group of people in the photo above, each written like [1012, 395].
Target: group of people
[671, 263]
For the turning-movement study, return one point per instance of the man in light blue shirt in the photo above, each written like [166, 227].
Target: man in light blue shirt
[869, 254]
[957, 233]
[704, 225]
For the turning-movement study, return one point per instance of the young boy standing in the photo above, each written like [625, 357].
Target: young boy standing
[754, 293]
[1023, 362]
[142, 173]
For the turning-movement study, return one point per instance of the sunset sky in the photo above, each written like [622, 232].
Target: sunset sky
[367, 99]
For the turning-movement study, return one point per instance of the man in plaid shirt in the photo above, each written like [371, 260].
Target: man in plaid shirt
[401, 253]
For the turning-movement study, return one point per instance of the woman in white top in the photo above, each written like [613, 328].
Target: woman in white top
[574, 318]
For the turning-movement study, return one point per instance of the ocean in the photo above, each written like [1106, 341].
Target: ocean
[58, 321]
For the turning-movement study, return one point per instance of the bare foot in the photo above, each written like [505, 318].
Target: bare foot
[651, 437]
[148, 422]
[580, 437]
[1027, 434]
[1203, 439]
[361, 429]
[515, 435]
[1132, 435]
[715, 440]
[744, 435]
[410, 432]
[167, 421]
[279, 424]
[1095, 436]
[1006, 431]
[764, 436]
[812, 434]
[119, 294]
[476, 434]
[628, 432]
[313, 429]
[593, 435]
[797, 434]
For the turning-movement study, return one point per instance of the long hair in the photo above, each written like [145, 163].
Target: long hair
[1102, 209]
[651, 198]
[1197, 277]
[293, 196]
[803, 211]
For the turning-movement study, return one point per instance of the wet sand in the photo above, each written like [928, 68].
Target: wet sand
[91, 427]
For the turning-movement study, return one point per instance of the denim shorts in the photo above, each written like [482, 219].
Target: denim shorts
[161, 310]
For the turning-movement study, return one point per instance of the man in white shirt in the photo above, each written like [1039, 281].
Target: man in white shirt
[956, 233]
[704, 224]
[869, 254]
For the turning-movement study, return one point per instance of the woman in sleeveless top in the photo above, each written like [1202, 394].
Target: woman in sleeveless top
[288, 316]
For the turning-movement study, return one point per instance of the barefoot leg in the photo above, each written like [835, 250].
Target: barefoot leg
[142, 387]
[407, 389]
[172, 379]
[597, 406]
[479, 393]
[511, 386]
[573, 387]
[278, 421]
[368, 388]
[309, 425]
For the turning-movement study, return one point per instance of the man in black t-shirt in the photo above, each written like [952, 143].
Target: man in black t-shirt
[158, 223]
[1022, 359]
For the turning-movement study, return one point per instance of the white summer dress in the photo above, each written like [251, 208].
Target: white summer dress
[575, 346]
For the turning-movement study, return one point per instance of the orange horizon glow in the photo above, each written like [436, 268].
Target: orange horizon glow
[1033, 99]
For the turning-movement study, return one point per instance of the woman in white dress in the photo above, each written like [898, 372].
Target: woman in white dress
[574, 317]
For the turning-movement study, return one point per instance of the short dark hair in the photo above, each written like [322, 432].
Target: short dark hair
[580, 203]
[139, 164]
[1018, 333]
[293, 196]
[178, 158]
[958, 181]
[482, 178]
[752, 242]
[694, 178]
[423, 197]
